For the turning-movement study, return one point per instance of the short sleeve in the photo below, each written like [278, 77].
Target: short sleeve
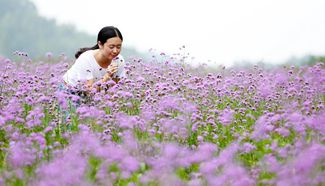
[80, 71]
[84, 69]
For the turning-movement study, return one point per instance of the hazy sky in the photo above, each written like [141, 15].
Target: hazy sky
[222, 31]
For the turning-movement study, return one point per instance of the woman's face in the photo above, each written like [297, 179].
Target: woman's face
[111, 48]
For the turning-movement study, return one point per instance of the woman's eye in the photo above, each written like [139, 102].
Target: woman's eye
[112, 47]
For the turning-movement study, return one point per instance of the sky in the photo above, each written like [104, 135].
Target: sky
[212, 31]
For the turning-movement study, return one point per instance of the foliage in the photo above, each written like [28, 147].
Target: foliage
[23, 29]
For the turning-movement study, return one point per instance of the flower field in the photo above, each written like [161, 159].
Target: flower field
[167, 124]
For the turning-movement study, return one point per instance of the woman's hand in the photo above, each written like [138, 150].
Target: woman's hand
[111, 69]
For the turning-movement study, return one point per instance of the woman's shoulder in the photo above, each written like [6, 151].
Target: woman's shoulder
[86, 57]
[83, 61]
[87, 54]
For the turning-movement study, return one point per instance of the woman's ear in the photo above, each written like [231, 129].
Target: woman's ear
[99, 44]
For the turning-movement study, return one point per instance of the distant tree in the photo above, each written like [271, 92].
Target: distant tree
[306, 60]
[23, 29]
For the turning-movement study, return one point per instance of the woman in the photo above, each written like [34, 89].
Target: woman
[98, 64]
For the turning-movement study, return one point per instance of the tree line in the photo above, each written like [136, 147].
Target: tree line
[23, 29]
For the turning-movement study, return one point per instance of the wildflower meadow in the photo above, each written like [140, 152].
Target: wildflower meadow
[167, 123]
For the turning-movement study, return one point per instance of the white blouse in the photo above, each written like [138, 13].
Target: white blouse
[87, 68]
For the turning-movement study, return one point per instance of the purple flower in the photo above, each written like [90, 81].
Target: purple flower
[2, 121]
[34, 117]
[266, 89]
[260, 128]
[51, 174]
[170, 151]
[147, 115]
[226, 117]
[130, 164]
[272, 163]
[248, 147]
[49, 55]
[296, 121]
[237, 175]
[90, 112]
[126, 121]
[209, 167]
[316, 122]
[283, 131]
[301, 170]
[21, 154]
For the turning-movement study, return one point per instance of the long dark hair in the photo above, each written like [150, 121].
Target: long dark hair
[104, 34]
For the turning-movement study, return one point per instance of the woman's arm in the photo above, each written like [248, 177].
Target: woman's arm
[109, 74]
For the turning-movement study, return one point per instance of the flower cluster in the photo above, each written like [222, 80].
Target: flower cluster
[166, 124]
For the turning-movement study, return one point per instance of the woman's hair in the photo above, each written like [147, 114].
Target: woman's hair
[104, 34]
